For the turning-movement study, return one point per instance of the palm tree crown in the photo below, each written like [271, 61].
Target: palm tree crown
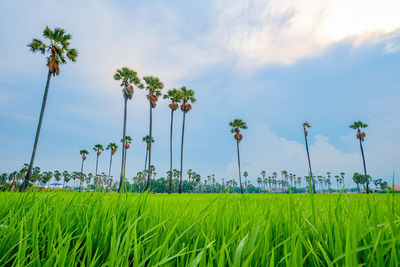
[358, 125]
[305, 126]
[187, 95]
[175, 96]
[57, 49]
[153, 86]
[84, 152]
[98, 148]
[127, 78]
[236, 125]
[113, 147]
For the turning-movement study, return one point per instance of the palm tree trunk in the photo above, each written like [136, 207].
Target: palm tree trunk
[123, 147]
[240, 174]
[109, 168]
[183, 132]
[170, 153]
[145, 157]
[150, 134]
[81, 171]
[309, 165]
[97, 163]
[29, 171]
[363, 158]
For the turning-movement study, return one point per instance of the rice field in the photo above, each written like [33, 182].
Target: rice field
[91, 229]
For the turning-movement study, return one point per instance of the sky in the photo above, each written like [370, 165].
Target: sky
[273, 63]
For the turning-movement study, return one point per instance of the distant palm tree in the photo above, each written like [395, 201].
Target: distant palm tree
[186, 95]
[337, 177]
[128, 78]
[57, 51]
[127, 141]
[146, 139]
[83, 153]
[66, 176]
[153, 86]
[97, 148]
[113, 148]
[305, 126]
[245, 174]
[236, 125]
[358, 125]
[175, 96]
[342, 174]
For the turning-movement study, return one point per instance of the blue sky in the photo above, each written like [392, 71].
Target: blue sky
[272, 63]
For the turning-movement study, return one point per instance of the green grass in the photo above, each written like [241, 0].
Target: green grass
[198, 229]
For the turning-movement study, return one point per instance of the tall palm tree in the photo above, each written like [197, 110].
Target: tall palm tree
[83, 153]
[97, 148]
[153, 86]
[146, 139]
[57, 50]
[187, 95]
[113, 148]
[358, 125]
[175, 96]
[305, 126]
[128, 78]
[236, 125]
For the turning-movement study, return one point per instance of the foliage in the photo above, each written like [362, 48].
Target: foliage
[57, 48]
[72, 229]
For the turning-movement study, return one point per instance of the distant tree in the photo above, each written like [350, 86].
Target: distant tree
[187, 97]
[175, 96]
[358, 125]
[66, 176]
[236, 125]
[83, 153]
[307, 125]
[57, 50]
[245, 174]
[98, 149]
[113, 148]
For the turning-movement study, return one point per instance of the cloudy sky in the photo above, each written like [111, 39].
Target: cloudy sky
[271, 63]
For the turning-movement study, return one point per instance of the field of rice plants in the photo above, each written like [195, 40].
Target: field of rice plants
[91, 229]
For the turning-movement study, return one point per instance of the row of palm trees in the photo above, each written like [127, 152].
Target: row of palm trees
[153, 85]
[57, 50]
[238, 124]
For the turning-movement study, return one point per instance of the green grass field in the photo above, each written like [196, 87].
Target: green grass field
[90, 229]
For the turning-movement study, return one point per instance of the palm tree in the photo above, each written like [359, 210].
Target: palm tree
[127, 141]
[147, 140]
[97, 148]
[337, 177]
[113, 148]
[57, 50]
[236, 125]
[83, 153]
[128, 78]
[153, 86]
[305, 126]
[245, 174]
[175, 96]
[358, 125]
[66, 177]
[187, 95]
[342, 174]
